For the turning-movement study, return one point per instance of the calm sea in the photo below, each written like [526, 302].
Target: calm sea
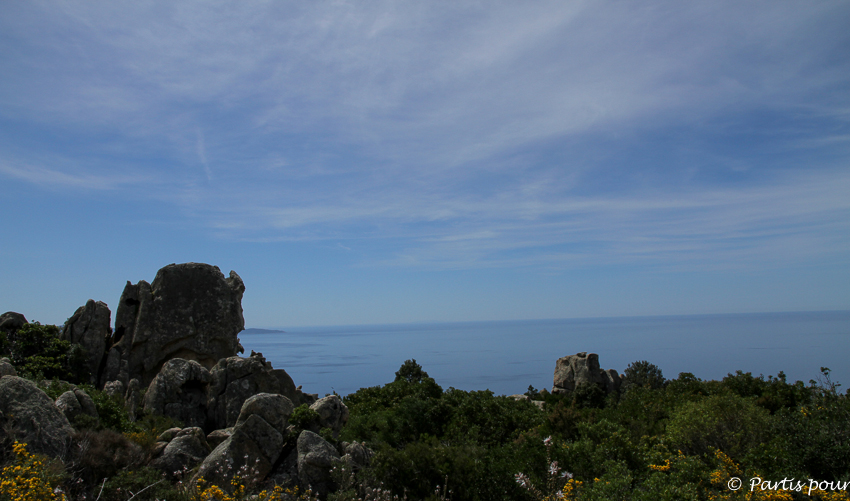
[508, 356]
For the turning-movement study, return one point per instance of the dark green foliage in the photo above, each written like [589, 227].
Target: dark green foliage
[37, 352]
[411, 372]
[642, 374]
[303, 417]
[726, 422]
[819, 431]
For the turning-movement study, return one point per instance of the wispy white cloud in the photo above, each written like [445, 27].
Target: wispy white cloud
[464, 135]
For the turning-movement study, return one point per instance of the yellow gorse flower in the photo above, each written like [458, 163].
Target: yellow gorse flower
[27, 479]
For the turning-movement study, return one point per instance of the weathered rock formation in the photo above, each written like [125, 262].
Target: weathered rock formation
[583, 368]
[32, 417]
[189, 311]
[11, 321]
[235, 379]
[76, 402]
[178, 451]
[255, 443]
[90, 327]
[180, 391]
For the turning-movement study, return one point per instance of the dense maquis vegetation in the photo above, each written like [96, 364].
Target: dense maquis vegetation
[655, 439]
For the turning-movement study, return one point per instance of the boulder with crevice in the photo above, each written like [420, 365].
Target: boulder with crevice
[32, 416]
[189, 311]
[89, 327]
[316, 457]
[179, 391]
[76, 402]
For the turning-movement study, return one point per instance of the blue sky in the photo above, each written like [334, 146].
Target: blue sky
[372, 162]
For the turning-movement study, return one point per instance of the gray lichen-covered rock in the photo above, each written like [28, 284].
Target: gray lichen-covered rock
[274, 409]
[315, 459]
[33, 417]
[184, 450]
[6, 368]
[235, 380]
[90, 327]
[11, 321]
[583, 368]
[332, 413]
[180, 391]
[189, 311]
[76, 402]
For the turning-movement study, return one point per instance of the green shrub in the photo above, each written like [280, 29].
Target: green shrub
[642, 374]
[303, 417]
[725, 422]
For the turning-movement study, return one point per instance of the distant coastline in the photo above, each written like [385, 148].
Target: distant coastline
[262, 331]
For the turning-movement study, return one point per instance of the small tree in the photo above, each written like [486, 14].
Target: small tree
[411, 372]
[643, 374]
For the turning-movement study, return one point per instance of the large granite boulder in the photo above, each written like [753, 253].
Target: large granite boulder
[76, 402]
[255, 443]
[32, 416]
[90, 327]
[189, 311]
[583, 368]
[11, 321]
[316, 457]
[184, 449]
[235, 379]
[180, 391]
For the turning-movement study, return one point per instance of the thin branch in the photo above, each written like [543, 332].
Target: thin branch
[101, 490]
[143, 490]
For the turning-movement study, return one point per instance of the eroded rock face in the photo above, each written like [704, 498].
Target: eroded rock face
[315, 459]
[90, 327]
[189, 311]
[180, 391]
[583, 368]
[33, 417]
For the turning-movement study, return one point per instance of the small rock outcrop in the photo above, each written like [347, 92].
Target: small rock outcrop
[255, 443]
[90, 327]
[189, 311]
[11, 321]
[315, 459]
[184, 449]
[6, 368]
[180, 391]
[33, 417]
[332, 413]
[76, 402]
[583, 368]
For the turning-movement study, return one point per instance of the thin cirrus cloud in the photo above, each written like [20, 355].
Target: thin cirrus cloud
[467, 136]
